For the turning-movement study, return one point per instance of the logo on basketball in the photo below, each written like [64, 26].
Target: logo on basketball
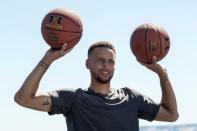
[60, 26]
[153, 46]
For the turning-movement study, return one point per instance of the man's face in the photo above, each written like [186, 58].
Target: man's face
[101, 64]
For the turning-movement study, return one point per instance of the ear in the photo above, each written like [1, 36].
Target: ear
[88, 64]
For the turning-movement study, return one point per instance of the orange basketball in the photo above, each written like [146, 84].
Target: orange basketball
[149, 40]
[60, 26]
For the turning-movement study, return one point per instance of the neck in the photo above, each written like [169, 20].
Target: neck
[100, 88]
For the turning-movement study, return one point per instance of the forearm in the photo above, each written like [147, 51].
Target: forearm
[27, 95]
[30, 86]
[168, 105]
[168, 100]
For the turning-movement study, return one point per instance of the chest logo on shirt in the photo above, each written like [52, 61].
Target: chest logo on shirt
[117, 98]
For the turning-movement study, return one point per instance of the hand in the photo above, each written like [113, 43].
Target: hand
[53, 54]
[154, 66]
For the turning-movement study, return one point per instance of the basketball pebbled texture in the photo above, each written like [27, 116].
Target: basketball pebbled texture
[60, 26]
[149, 40]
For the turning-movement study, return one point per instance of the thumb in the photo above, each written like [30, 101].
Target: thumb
[154, 59]
[65, 49]
[64, 46]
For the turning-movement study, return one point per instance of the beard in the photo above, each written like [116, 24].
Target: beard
[99, 79]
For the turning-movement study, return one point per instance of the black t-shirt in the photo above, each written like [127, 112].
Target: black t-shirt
[119, 110]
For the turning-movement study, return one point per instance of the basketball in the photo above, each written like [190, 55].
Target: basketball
[60, 26]
[149, 40]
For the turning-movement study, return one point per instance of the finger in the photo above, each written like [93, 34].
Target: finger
[154, 59]
[64, 46]
[67, 51]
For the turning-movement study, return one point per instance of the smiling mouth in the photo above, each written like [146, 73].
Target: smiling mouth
[105, 73]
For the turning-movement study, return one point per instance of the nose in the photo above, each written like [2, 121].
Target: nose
[106, 63]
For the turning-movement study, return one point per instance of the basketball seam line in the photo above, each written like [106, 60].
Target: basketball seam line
[63, 30]
[160, 42]
[147, 59]
[69, 41]
[132, 37]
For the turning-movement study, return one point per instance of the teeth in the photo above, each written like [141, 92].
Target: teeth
[105, 72]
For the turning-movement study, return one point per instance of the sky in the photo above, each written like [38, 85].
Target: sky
[22, 46]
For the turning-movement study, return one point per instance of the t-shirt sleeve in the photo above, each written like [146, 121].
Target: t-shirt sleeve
[147, 108]
[61, 101]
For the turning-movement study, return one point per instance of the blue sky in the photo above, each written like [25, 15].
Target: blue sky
[22, 46]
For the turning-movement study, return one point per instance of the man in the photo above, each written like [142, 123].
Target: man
[100, 107]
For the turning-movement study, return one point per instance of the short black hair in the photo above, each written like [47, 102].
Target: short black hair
[100, 44]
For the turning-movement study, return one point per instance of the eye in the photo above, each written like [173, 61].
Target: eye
[51, 19]
[99, 60]
[59, 21]
[111, 62]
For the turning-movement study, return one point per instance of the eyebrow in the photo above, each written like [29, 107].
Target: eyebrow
[104, 58]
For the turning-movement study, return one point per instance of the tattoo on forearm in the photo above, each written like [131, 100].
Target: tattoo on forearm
[43, 64]
[47, 102]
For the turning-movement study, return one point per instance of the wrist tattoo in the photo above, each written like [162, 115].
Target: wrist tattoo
[43, 64]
